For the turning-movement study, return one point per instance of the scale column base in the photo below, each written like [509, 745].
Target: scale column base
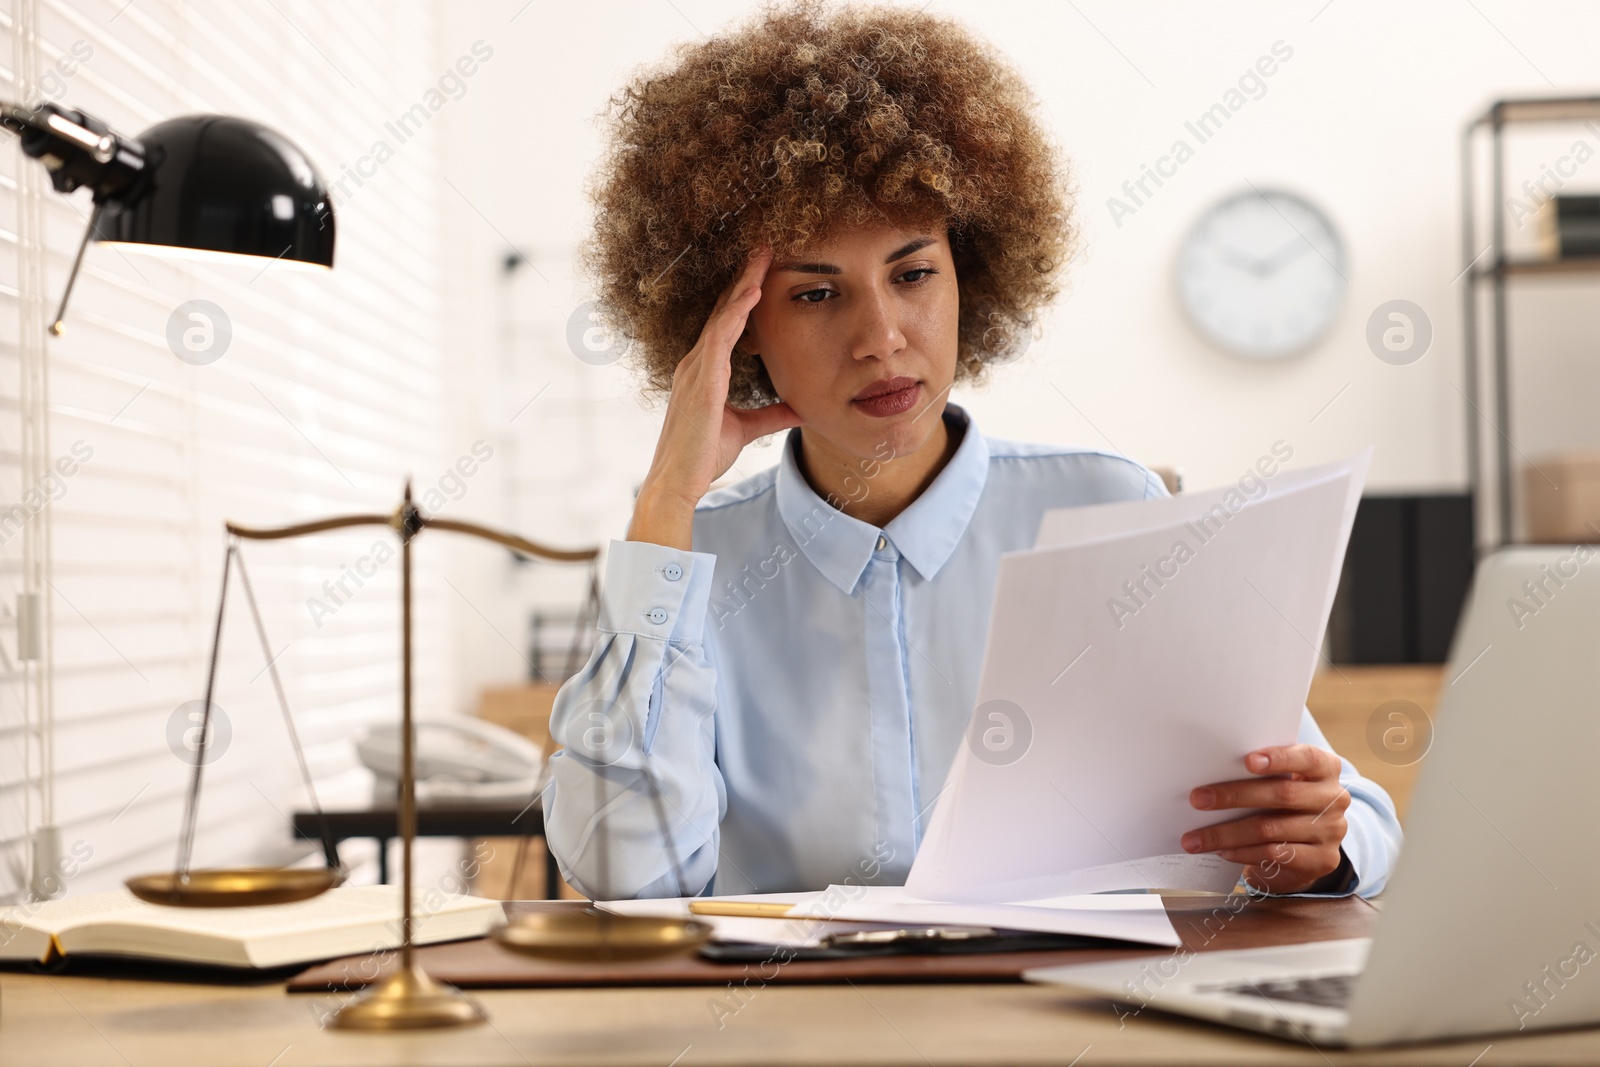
[408, 1000]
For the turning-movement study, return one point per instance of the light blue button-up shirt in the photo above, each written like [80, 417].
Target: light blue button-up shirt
[777, 710]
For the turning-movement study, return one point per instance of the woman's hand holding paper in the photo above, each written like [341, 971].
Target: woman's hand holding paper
[1292, 841]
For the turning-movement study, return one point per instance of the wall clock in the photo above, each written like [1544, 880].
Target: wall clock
[1262, 274]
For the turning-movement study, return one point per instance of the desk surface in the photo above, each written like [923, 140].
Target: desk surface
[1204, 922]
[86, 1021]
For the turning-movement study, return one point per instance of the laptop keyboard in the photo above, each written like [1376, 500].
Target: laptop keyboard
[1328, 990]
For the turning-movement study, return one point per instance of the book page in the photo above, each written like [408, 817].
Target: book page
[345, 919]
[336, 908]
[19, 941]
[54, 916]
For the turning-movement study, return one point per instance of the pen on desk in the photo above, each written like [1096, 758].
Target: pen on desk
[748, 909]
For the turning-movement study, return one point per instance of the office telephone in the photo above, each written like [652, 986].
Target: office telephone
[458, 759]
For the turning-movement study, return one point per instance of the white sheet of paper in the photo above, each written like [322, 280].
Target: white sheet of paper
[1206, 873]
[801, 930]
[1066, 526]
[843, 908]
[837, 899]
[1102, 704]
[1127, 916]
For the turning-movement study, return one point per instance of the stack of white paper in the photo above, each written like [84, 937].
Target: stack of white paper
[800, 928]
[846, 908]
[1126, 916]
[1140, 652]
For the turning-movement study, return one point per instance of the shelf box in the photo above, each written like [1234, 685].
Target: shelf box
[1563, 498]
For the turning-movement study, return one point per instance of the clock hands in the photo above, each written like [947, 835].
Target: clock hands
[1233, 258]
[1269, 265]
[1294, 248]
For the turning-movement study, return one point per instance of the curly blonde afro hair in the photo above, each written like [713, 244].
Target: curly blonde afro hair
[806, 119]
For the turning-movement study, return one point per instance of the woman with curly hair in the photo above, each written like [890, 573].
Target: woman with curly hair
[818, 224]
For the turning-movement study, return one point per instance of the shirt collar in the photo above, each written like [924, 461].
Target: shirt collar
[925, 533]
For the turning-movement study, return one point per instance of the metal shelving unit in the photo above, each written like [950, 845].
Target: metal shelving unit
[1497, 272]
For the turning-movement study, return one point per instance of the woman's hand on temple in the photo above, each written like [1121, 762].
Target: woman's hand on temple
[1293, 842]
[703, 435]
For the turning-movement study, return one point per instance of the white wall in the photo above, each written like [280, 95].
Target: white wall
[1365, 119]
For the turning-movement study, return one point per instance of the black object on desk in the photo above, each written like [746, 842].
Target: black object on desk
[461, 821]
[911, 941]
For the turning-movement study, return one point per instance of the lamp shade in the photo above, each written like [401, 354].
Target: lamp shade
[218, 184]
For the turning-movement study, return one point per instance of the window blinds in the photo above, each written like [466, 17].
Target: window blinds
[327, 394]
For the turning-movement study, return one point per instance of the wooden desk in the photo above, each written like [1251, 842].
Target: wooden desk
[1206, 922]
[86, 1022]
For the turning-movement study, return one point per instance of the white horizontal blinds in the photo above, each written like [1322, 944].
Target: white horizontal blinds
[327, 394]
[20, 806]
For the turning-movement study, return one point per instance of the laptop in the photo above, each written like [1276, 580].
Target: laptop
[1491, 919]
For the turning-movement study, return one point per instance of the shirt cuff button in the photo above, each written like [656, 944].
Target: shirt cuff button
[656, 615]
[672, 572]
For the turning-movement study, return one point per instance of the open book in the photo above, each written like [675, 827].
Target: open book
[341, 922]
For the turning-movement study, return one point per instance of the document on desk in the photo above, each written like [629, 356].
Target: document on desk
[1138, 651]
[796, 929]
[1121, 916]
[811, 917]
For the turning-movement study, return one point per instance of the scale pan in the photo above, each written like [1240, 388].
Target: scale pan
[592, 935]
[236, 887]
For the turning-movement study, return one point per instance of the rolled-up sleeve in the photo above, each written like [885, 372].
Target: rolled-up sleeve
[635, 798]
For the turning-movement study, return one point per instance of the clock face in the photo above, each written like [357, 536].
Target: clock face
[1262, 275]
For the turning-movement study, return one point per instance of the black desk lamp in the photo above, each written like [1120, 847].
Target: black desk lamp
[209, 185]
[197, 186]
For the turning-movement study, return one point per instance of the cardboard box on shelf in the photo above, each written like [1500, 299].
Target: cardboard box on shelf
[522, 709]
[1562, 498]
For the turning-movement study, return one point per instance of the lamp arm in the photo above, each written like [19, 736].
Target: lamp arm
[58, 326]
[77, 149]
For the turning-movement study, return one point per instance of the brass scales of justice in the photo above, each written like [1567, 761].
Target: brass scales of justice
[407, 998]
